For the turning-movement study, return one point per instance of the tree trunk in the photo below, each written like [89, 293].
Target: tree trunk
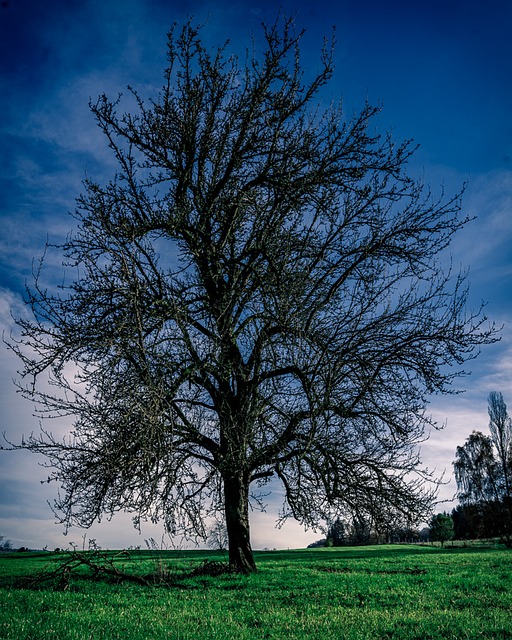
[236, 498]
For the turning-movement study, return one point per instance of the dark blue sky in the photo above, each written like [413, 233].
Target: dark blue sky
[442, 71]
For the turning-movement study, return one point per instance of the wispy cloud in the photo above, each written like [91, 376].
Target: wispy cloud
[485, 244]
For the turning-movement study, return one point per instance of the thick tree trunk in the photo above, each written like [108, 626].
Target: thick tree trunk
[236, 498]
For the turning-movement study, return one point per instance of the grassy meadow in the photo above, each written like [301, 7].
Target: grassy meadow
[401, 591]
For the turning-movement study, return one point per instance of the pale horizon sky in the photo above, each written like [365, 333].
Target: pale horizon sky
[441, 71]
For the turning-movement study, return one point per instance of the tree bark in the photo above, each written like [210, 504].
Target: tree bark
[236, 499]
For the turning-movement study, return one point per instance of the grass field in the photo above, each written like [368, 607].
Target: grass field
[364, 592]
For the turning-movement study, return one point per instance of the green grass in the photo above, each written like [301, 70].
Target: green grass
[366, 592]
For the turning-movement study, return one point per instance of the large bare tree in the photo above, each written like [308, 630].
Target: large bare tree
[259, 295]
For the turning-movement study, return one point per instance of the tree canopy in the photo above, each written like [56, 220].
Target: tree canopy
[441, 528]
[261, 293]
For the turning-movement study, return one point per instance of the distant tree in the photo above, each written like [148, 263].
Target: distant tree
[483, 470]
[218, 536]
[337, 533]
[317, 544]
[392, 526]
[476, 469]
[465, 525]
[403, 534]
[473, 521]
[500, 426]
[5, 545]
[424, 534]
[441, 528]
[360, 532]
[260, 293]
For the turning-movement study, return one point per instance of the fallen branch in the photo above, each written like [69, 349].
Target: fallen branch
[100, 563]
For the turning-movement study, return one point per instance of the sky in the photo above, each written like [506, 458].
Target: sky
[442, 73]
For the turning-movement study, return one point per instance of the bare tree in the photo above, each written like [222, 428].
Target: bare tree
[476, 469]
[218, 536]
[5, 545]
[483, 468]
[259, 295]
[500, 426]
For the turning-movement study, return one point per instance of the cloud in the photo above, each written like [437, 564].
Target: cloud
[485, 244]
[10, 305]
[265, 535]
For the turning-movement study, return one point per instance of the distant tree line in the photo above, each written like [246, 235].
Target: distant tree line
[6, 545]
[356, 531]
[476, 521]
[483, 470]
